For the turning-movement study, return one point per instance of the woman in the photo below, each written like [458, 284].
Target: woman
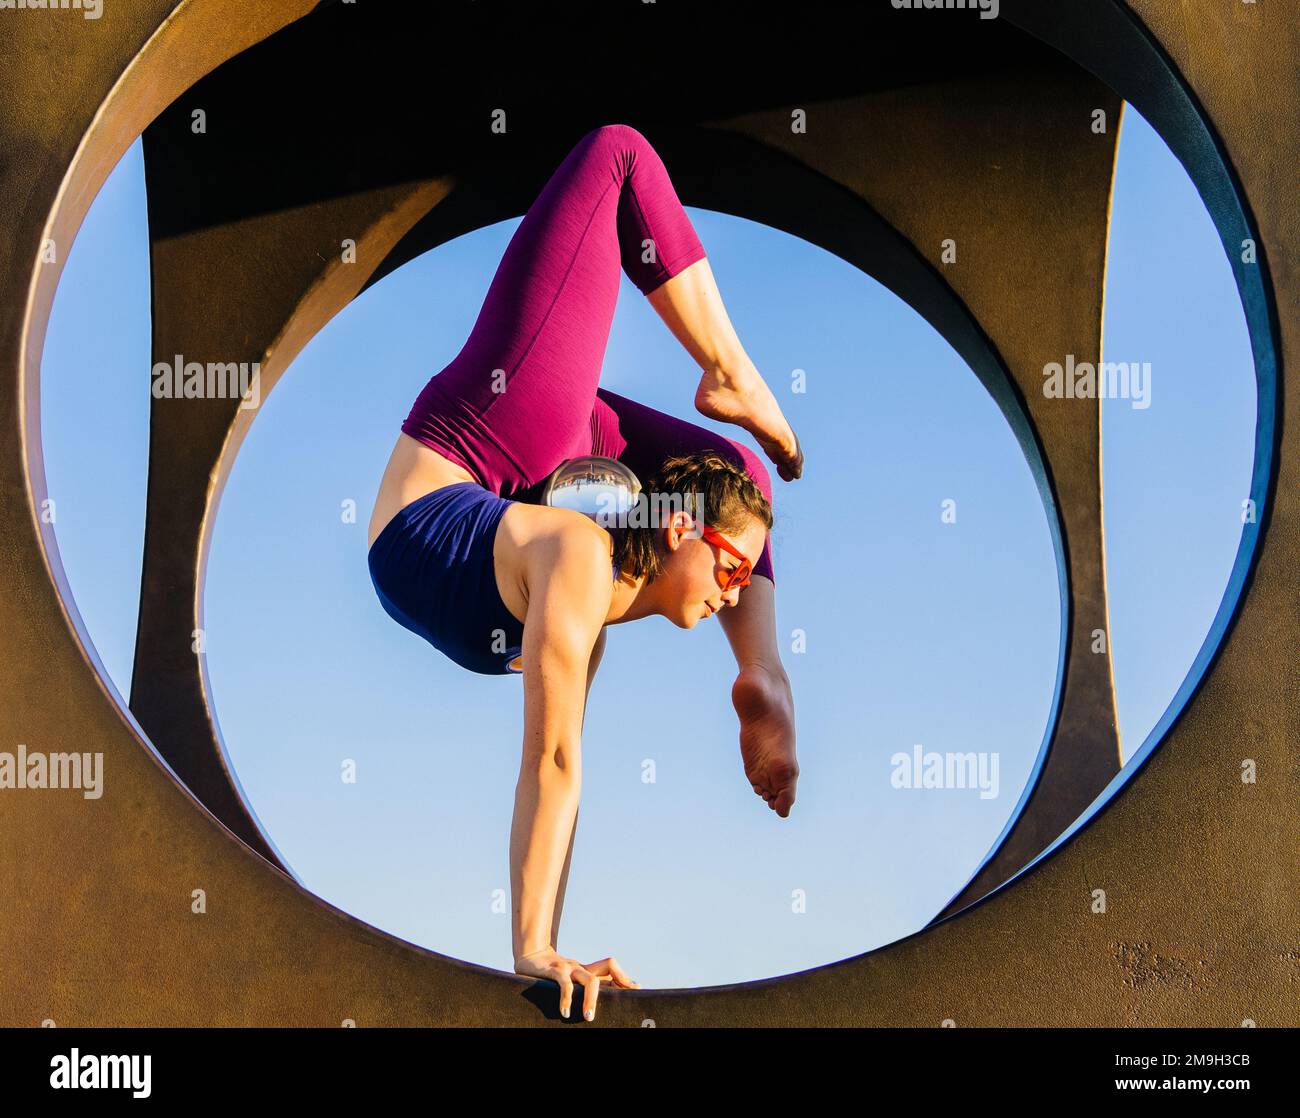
[460, 553]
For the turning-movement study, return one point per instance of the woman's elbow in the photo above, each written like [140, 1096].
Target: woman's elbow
[557, 763]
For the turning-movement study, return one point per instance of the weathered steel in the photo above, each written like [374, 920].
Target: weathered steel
[964, 134]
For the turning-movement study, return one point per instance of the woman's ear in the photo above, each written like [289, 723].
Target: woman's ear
[676, 528]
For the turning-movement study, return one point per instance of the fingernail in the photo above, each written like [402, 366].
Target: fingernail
[590, 1015]
[564, 1011]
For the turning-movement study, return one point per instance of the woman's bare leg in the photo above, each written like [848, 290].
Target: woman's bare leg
[731, 390]
[643, 439]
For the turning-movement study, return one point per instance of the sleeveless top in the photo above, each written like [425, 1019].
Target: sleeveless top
[433, 571]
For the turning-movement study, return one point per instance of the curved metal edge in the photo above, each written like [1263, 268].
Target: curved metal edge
[1256, 297]
[1266, 454]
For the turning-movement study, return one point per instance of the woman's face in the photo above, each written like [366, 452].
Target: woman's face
[695, 569]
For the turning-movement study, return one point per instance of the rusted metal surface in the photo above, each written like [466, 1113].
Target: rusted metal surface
[914, 136]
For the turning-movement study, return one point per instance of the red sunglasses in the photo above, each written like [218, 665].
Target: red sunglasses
[737, 576]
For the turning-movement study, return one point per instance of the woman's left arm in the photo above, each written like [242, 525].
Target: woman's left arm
[596, 653]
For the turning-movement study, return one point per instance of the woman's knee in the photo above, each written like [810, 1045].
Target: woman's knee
[621, 137]
[619, 144]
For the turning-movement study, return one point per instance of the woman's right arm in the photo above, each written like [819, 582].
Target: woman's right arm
[568, 602]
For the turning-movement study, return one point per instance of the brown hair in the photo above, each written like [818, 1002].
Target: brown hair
[729, 496]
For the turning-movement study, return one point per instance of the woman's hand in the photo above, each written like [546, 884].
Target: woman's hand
[549, 963]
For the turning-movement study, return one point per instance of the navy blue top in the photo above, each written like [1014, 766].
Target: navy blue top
[432, 568]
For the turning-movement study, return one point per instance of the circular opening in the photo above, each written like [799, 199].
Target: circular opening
[918, 609]
[1259, 303]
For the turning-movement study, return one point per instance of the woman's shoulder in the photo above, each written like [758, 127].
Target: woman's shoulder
[554, 534]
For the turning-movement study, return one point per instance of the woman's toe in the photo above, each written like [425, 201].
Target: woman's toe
[793, 468]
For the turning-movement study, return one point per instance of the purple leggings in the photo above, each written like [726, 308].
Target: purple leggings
[523, 393]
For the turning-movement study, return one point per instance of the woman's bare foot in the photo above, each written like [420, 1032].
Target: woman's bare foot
[745, 400]
[766, 709]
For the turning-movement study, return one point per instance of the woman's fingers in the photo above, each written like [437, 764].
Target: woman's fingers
[621, 976]
[590, 991]
[566, 989]
[565, 972]
[610, 970]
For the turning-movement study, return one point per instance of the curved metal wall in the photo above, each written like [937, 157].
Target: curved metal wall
[907, 124]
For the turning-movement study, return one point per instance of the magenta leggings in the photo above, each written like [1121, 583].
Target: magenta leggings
[523, 393]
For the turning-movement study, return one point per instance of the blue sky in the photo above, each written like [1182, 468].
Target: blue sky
[947, 637]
